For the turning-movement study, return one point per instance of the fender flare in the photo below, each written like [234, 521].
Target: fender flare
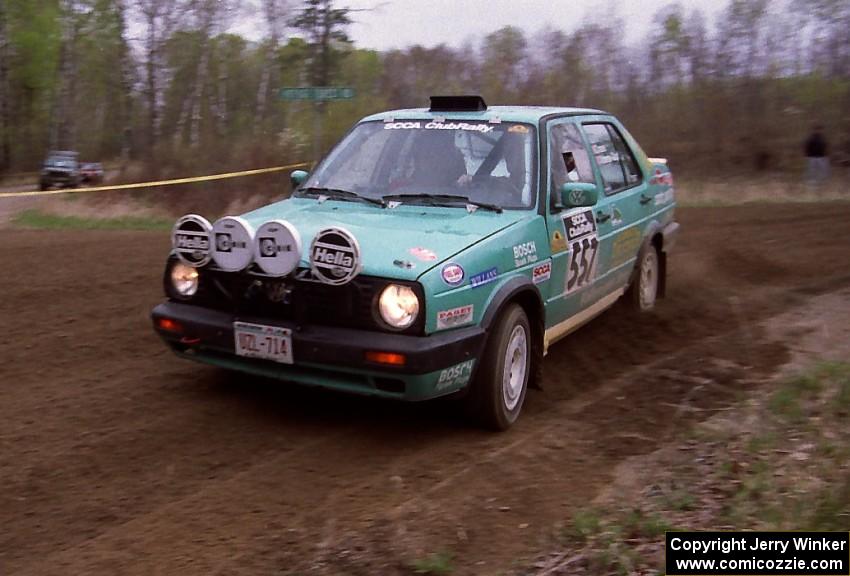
[505, 293]
[520, 286]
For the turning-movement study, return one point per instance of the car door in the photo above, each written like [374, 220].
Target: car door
[619, 210]
[573, 237]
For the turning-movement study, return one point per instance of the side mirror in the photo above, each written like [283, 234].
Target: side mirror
[578, 195]
[298, 177]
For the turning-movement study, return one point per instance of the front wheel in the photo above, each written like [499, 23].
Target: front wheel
[499, 389]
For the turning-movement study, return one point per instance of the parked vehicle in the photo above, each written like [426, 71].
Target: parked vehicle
[91, 173]
[432, 252]
[61, 168]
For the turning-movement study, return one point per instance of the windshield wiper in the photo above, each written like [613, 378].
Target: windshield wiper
[443, 199]
[339, 194]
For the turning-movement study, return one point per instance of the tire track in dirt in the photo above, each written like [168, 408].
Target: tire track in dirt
[142, 462]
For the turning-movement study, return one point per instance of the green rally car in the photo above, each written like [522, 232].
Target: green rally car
[432, 252]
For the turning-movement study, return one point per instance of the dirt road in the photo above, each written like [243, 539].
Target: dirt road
[118, 458]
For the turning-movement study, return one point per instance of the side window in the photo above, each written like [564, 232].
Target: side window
[616, 162]
[569, 160]
[627, 159]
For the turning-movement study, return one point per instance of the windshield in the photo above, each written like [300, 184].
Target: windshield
[61, 162]
[411, 161]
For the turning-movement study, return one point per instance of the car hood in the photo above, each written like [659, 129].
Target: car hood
[402, 242]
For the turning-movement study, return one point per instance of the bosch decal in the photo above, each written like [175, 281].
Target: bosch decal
[525, 253]
[455, 377]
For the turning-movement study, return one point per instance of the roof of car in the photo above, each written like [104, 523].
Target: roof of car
[531, 114]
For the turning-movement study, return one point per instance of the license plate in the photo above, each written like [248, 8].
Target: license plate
[259, 341]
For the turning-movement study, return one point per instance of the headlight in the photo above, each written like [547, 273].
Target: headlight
[399, 306]
[184, 280]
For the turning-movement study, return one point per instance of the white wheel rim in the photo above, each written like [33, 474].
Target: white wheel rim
[648, 279]
[516, 366]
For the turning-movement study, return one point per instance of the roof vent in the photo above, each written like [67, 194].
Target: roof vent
[458, 104]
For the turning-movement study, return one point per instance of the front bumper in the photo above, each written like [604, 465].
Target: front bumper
[328, 356]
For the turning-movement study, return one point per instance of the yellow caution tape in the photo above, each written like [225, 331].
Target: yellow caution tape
[154, 184]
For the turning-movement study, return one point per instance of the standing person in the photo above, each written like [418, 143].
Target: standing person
[817, 156]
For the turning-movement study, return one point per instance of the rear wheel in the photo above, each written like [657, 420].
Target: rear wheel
[644, 289]
[502, 381]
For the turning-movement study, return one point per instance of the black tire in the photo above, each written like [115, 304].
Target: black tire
[42, 185]
[646, 284]
[493, 401]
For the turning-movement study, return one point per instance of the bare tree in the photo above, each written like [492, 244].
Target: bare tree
[274, 12]
[210, 16]
[127, 82]
[160, 18]
[5, 93]
[64, 131]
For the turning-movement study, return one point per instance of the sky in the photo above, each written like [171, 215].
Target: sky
[386, 24]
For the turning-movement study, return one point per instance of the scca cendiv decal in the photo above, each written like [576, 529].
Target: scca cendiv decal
[541, 273]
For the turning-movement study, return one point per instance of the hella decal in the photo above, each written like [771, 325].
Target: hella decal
[335, 256]
[190, 240]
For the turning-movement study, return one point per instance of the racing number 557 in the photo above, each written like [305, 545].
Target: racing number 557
[582, 262]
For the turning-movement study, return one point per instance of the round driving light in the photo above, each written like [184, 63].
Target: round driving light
[232, 243]
[277, 248]
[399, 306]
[184, 280]
[190, 239]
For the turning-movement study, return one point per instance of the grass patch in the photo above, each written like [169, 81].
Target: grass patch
[437, 564]
[44, 221]
[788, 400]
[586, 523]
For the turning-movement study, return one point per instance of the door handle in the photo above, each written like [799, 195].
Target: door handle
[602, 217]
[644, 199]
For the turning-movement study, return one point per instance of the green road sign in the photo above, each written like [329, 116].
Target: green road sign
[317, 93]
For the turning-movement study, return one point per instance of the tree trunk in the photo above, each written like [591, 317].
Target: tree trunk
[272, 13]
[5, 94]
[126, 87]
[223, 77]
[200, 82]
[152, 69]
[64, 133]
